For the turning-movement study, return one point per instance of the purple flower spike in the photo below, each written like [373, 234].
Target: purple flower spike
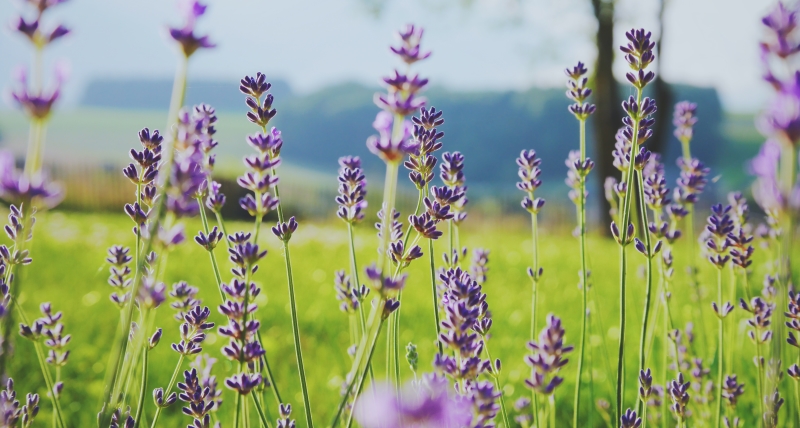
[409, 50]
[352, 190]
[243, 383]
[430, 406]
[548, 357]
[285, 230]
[684, 120]
[630, 420]
[578, 92]
[185, 36]
[37, 105]
[209, 242]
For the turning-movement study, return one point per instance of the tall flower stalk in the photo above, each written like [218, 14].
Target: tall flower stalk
[579, 167]
[189, 43]
[391, 145]
[529, 172]
[636, 129]
[720, 225]
[262, 180]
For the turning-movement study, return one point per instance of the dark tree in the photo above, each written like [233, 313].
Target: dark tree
[608, 117]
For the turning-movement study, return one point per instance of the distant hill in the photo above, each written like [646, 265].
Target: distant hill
[490, 128]
[154, 94]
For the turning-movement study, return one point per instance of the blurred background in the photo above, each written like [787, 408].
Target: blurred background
[496, 71]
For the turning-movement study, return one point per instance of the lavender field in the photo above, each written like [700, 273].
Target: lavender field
[198, 269]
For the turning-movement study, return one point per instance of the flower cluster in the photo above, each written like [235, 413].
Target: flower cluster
[198, 398]
[426, 141]
[260, 177]
[352, 190]
[33, 193]
[347, 293]
[393, 141]
[192, 331]
[193, 160]
[35, 101]
[120, 278]
[720, 225]
[238, 308]
[188, 41]
[11, 414]
[529, 173]
[49, 328]
[452, 175]
[426, 405]
[547, 357]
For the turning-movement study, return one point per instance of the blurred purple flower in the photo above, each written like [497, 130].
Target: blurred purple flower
[416, 406]
[185, 36]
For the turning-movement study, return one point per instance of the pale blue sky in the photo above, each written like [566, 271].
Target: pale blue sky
[495, 44]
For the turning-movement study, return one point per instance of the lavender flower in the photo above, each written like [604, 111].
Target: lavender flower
[261, 177]
[197, 398]
[680, 397]
[37, 103]
[630, 420]
[529, 172]
[192, 331]
[185, 36]
[548, 357]
[576, 174]
[120, 279]
[426, 142]
[204, 364]
[578, 92]
[285, 420]
[462, 300]
[684, 120]
[452, 174]
[425, 406]
[402, 98]
[18, 189]
[692, 181]
[480, 261]
[719, 227]
[732, 390]
[352, 190]
[761, 319]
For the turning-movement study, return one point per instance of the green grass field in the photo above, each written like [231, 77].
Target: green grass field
[69, 270]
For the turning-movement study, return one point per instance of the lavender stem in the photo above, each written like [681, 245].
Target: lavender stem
[261, 415]
[720, 351]
[496, 377]
[649, 248]
[143, 389]
[584, 277]
[626, 213]
[435, 295]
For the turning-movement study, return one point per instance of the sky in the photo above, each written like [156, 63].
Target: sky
[477, 44]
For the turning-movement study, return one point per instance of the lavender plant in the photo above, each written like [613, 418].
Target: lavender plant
[636, 130]
[579, 168]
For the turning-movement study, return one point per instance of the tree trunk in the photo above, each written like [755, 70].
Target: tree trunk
[608, 117]
[662, 94]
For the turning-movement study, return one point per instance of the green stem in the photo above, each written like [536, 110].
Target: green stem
[535, 302]
[167, 391]
[261, 415]
[237, 416]
[296, 334]
[720, 350]
[143, 389]
[496, 377]
[584, 279]
[435, 296]
[33, 159]
[221, 224]
[625, 220]
[649, 247]
[552, 401]
[360, 383]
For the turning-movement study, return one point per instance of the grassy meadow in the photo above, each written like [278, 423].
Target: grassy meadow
[69, 270]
